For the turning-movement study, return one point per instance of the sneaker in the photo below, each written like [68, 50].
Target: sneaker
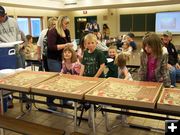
[53, 108]
[68, 103]
[10, 103]
[172, 86]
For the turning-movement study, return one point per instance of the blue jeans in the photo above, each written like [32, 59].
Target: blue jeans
[174, 75]
[54, 66]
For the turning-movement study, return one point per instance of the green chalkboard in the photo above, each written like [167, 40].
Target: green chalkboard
[125, 23]
[139, 22]
[150, 22]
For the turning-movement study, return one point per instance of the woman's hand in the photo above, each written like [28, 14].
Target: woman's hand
[69, 44]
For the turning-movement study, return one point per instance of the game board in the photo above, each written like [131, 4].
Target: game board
[69, 86]
[169, 99]
[22, 81]
[122, 92]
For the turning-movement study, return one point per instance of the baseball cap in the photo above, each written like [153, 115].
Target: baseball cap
[131, 35]
[167, 33]
[2, 11]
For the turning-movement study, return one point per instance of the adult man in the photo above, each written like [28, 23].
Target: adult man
[173, 66]
[9, 32]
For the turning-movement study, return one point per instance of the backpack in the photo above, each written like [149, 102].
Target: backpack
[45, 44]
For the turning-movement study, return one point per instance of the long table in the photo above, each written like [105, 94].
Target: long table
[118, 93]
[128, 95]
[22, 82]
[66, 86]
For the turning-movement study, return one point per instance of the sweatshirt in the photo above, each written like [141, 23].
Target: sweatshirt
[9, 31]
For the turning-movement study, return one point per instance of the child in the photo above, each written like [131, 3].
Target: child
[30, 49]
[70, 64]
[93, 62]
[123, 72]
[112, 68]
[81, 49]
[154, 61]
[101, 44]
[126, 47]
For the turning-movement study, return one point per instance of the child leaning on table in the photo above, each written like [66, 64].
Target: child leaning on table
[112, 67]
[70, 65]
[93, 61]
[154, 61]
[123, 72]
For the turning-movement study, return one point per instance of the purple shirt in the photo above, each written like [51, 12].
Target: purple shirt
[151, 66]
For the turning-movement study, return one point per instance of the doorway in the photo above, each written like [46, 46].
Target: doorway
[80, 23]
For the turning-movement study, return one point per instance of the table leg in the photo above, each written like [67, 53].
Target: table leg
[75, 115]
[93, 119]
[2, 110]
[106, 119]
[2, 102]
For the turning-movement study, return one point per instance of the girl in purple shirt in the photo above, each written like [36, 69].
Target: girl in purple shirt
[153, 61]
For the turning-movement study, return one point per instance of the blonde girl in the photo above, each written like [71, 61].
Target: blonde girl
[123, 72]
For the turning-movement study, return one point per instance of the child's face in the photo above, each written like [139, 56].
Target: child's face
[91, 45]
[148, 49]
[67, 55]
[125, 45]
[112, 53]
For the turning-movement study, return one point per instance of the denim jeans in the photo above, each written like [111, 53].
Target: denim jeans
[174, 75]
[54, 66]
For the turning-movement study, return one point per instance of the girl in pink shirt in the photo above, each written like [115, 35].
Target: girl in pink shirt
[70, 64]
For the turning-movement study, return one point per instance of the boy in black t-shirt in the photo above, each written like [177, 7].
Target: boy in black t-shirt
[93, 62]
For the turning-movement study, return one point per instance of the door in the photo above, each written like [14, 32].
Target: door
[80, 23]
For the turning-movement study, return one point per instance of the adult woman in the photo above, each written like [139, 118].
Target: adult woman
[58, 39]
[106, 31]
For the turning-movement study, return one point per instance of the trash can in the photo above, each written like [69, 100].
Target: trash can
[7, 58]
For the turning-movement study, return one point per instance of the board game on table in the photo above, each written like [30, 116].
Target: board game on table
[22, 81]
[67, 86]
[169, 99]
[121, 92]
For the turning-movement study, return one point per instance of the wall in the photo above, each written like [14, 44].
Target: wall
[14, 11]
[109, 16]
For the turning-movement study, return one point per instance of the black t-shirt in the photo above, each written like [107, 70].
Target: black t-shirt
[53, 40]
[92, 62]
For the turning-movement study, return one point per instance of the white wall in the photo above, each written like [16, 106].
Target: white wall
[112, 16]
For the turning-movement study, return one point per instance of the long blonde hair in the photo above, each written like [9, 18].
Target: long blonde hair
[59, 25]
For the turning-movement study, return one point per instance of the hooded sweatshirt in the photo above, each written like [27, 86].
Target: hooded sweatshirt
[9, 31]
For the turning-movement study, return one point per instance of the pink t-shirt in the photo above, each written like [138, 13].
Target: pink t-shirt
[74, 68]
[151, 66]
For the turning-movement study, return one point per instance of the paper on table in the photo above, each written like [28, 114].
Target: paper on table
[10, 44]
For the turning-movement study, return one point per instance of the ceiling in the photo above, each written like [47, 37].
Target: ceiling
[85, 4]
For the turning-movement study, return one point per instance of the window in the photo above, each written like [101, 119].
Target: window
[23, 25]
[35, 27]
[30, 25]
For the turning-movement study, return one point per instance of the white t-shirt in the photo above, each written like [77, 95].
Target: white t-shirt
[41, 38]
